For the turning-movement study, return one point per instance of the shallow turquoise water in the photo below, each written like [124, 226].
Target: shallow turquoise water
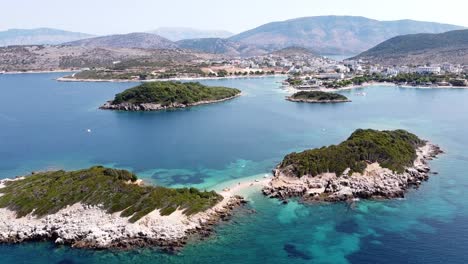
[43, 124]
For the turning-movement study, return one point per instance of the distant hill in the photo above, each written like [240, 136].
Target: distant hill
[38, 57]
[132, 40]
[180, 33]
[294, 51]
[334, 34]
[38, 36]
[220, 46]
[450, 47]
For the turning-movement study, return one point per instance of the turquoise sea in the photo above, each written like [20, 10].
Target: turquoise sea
[44, 123]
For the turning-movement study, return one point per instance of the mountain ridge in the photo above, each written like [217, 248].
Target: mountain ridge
[181, 33]
[39, 36]
[131, 40]
[421, 48]
[334, 34]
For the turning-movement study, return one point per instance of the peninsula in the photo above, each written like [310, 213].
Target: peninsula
[369, 164]
[104, 208]
[156, 96]
[317, 97]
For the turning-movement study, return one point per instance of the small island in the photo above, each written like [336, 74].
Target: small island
[317, 97]
[154, 96]
[369, 164]
[104, 208]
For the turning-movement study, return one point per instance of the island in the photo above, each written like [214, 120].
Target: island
[105, 208]
[369, 164]
[154, 96]
[317, 97]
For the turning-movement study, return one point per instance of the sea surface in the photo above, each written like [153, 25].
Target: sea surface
[44, 125]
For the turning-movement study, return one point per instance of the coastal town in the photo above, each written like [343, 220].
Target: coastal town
[303, 70]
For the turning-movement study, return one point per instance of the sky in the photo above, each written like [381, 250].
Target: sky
[102, 17]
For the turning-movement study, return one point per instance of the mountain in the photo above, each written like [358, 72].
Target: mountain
[180, 33]
[42, 58]
[38, 36]
[132, 40]
[334, 34]
[294, 51]
[450, 47]
[220, 46]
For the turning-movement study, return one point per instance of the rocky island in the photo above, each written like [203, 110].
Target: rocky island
[369, 164]
[156, 96]
[103, 208]
[317, 97]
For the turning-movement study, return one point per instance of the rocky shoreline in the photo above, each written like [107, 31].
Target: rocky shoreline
[90, 227]
[375, 183]
[157, 107]
[289, 98]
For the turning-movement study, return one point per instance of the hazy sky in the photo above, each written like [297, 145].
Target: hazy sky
[123, 16]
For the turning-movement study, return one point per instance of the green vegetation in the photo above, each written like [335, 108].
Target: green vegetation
[166, 93]
[319, 96]
[408, 78]
[295, 81]
[394, 150]
[48, 192]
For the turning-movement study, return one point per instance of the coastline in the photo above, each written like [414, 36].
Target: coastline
[63, 79]
[158, 107]
[292, 89]
[374, 183]
[91, 227]
[37, 72]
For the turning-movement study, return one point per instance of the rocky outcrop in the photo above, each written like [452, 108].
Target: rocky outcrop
[87, 226]
[375, 182]
[126, 106]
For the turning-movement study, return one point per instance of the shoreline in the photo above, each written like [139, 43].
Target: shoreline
[375, 182]
[149, 107]
[63, 79]
[292, 89]
[90, 227]
[38, 72]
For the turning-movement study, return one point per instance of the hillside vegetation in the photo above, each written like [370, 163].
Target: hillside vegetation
[420, 49]
[167, 93]
[394, 150]
[113, 190]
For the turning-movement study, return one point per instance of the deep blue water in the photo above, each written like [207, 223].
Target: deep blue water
[43, 124]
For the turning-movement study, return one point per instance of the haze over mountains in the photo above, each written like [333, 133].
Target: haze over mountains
[180, 33]
[132, 40]
[322, 35]
[450, 47]
[334, 34]
[38, 36]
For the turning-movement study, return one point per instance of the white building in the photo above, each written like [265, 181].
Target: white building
[336, 76]
[391, 72]
[449, 68]
[428, 70]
